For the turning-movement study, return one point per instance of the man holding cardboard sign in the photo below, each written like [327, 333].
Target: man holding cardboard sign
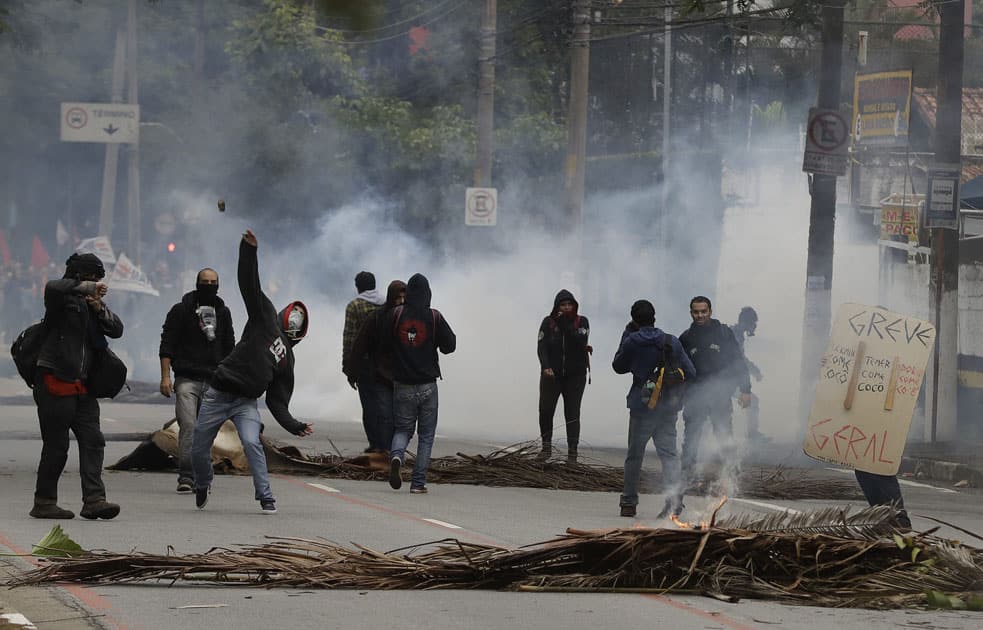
[869, 380]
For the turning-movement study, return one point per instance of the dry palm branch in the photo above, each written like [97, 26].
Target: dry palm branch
[518, 466]
[824, 558]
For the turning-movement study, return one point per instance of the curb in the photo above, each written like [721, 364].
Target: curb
[954, 472]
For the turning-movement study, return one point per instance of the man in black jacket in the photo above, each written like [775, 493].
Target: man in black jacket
[720, 368]
[563, 361]
[262, 361]
[417, 332]
[77, 324]
[197, 334]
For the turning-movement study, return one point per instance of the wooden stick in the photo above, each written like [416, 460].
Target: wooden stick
[855, 376]
[892, 384]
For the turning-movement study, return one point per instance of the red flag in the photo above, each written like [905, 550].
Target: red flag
[4, 250]
[39, 257]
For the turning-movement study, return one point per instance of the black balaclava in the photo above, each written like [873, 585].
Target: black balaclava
[84, 265]
[207, 293]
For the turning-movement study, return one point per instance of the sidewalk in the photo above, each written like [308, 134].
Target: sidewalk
[945, 461]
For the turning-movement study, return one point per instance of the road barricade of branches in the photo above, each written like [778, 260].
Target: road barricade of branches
[823, 558]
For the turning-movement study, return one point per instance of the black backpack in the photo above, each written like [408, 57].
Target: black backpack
[665, 383]
[26, 350]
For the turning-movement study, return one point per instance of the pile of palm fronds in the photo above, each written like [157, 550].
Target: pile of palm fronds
[519, 466]
[827, 558]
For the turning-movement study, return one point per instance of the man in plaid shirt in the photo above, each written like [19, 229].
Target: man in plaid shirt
[359, 311]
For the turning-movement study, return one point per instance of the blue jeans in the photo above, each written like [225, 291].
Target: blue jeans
[659, 426]
[187, 400]
[384, 401]
[216, 408]
[415, 406]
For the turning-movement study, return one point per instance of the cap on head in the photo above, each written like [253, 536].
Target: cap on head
[643, 313]
[364, 281]
[84, 266]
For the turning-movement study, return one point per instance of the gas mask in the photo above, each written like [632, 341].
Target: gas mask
[295, 323]
[207, 319]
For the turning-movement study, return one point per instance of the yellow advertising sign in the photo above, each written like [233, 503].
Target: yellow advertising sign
[881, 108]
[869, 381]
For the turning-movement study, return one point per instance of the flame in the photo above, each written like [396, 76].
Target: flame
[701, 525]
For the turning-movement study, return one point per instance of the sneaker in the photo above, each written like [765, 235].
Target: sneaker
[418, 489]
[201, 497]
[268, 506]
[544, 454]
[99, 509]
[628, 510]
[395, 481]
[50, 510]
[184, 487]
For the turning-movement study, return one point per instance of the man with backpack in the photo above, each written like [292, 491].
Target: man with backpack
[76, 324]
[564, 362]
[196, 335]
[417, 333]
[720, 368]
[659, 369]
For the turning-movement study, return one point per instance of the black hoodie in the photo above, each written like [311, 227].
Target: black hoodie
[418, 331]
[182, 341]
[562, 342]
[263, 360]
[718, 358]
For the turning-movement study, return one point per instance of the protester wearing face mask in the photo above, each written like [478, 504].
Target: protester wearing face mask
[197, 335]
[262, 362]
[77, 323]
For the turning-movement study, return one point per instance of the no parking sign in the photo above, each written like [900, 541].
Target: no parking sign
[481, 206]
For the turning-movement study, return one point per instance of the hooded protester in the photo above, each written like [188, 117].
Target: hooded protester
[77, 323]
[416, 333]
[197, 334]
[564, 362]
[720, 369]
[368, 348]
[643, 350]
[262, 361]
[359, 311]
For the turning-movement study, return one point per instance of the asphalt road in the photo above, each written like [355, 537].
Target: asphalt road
[154, 519]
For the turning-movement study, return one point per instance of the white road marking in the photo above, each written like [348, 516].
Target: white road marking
[108, 420]
[767, 506]
[321, 486]
[904, 482]
[505, 449]
[18, 619]
[442, 523]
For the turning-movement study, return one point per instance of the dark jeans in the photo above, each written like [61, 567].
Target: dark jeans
[883, 490]
[551, 388]
[384, 401]
[702, 406]
[415, 407]
[367, 396]
[57, 415]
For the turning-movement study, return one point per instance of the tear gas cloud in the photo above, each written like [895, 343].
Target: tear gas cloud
[494, 285]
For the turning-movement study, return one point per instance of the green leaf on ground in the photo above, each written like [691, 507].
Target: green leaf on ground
[56, 543]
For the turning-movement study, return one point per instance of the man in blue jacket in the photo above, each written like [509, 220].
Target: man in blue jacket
[643, 349]
[262, 361]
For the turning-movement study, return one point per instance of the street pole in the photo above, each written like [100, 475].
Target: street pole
[577, 116]
[111, 164]
[944, 281]
[663, 222]
[133, 155]
[816, 322]
[486, 96]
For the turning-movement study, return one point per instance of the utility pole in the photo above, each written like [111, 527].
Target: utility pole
[577, 116]
[486, 96]
[816, 323]
[199, 61]
[663, 222]
[944, 281]
[111, 165]
[133, 155]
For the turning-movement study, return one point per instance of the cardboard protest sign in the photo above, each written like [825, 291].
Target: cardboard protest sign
[869, 381]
